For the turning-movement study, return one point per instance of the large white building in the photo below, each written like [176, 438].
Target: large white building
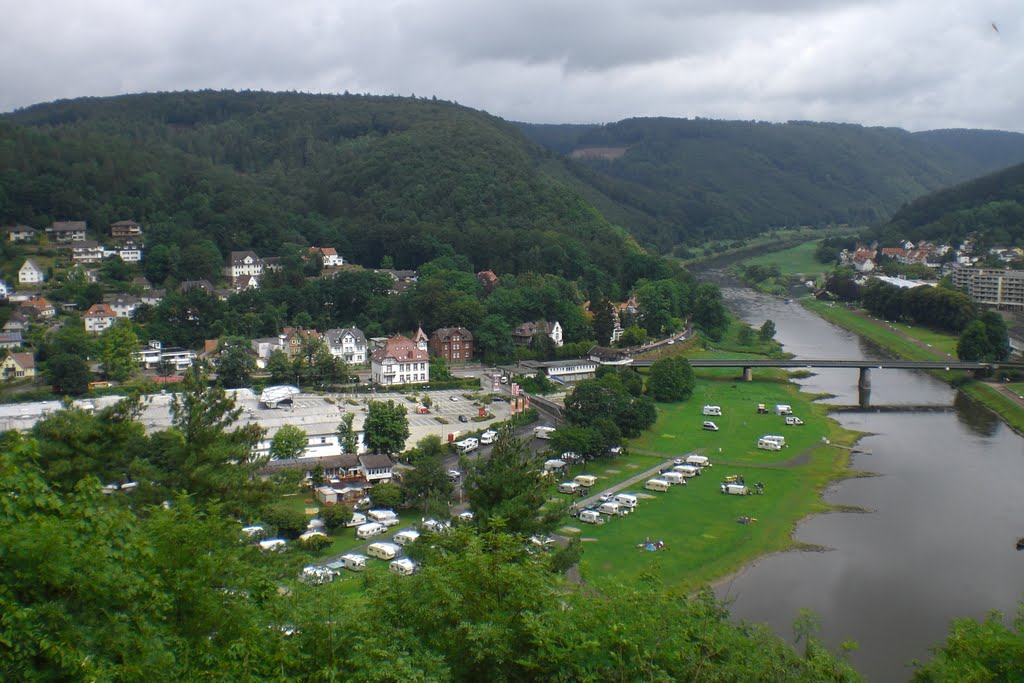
[348, 344]
[996, 287]
[399, 361]
[31, 274]
[241, 263]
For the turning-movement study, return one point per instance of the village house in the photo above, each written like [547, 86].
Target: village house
[31, 274]
[124, 305]
[65, 232]
[125, 230]
[564, 371]
[98, 318]
[488, 279]
[376, 467]
[241, 263]
[18, 322]
[401, 361]
[348, 344]
[12, 340]
[151, 355]
[86, 251]
[129, 252]
[293, 337]
[264, 347]
[152, 297]
[523, 335]
[20, 233]
[454, 344]
[401, 279]
[329, 255]
[18, 366]
[39, 307]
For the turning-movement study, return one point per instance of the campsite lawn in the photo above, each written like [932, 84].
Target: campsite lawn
[795, 260]
[697, 522]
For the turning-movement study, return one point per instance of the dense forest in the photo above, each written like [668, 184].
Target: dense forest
[407, 178]
[686, 181]
[991, 208]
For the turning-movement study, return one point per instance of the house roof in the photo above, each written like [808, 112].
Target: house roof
[100, 311]
[85, 244]
[420, 335]
[445, 333]
[26, 361]
[125, 224]
[346, 461]
[18, 228]
[121, 299]
[401, 349]
[237, 258]
[334, 336]
[29, 263]
[67, 226]
[375, 462]
[328, 251]
[189, 285]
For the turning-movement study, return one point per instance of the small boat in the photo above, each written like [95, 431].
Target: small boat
[787, 301]
[1020, 543]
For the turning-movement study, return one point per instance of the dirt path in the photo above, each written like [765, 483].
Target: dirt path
[1008, 393]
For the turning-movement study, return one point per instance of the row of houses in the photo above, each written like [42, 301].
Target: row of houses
[85, 252]
[244, 269]
[63, 232]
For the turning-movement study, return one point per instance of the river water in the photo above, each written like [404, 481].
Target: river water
[947, 508]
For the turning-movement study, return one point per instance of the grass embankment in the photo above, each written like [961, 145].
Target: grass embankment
[798, 260]
[697, 522]
[918, 343]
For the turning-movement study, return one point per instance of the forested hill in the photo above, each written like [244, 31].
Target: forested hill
[371, 176]
[683, 180]
[992, 207]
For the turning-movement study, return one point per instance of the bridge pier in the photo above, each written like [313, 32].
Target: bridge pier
[864, 381]
[748, 374]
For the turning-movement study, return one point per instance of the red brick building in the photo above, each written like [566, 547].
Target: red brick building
[454, 344]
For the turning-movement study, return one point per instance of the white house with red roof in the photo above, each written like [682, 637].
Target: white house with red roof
[98, 318]
[400, 361]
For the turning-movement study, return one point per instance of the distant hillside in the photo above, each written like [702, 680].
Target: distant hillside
[682, 180]
[992, 206]
[409, 178]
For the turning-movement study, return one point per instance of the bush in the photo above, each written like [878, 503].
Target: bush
[314, 542]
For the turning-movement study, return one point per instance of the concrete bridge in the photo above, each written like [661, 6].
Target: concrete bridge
[864, 366]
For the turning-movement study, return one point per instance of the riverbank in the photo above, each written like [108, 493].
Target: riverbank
[916, 344]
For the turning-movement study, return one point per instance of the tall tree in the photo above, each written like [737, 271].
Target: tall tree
[427, 486]
[386, 427]
[289, 442]
[118, 346]
[604, 321]
[347, 437]
[508, 491]
[671, 379]
[235, 364]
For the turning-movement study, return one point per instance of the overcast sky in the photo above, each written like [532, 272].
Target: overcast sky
[916, 64]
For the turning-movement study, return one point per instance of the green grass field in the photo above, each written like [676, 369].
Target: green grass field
[793, 261]
[697, 522]
[871, 329]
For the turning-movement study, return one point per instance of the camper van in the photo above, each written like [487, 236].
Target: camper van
[769, 444]
[569, 487]
[657, 485]
[626, 499]
[612, 509]
[384, 551]
[406, 536]
[586, 480]
[272, 544]
[354, 562]
[543, 432]
[734, 489]
[673, 478]
[697, 460]
[403, 567]
[358, 519]
[712, 410]
[370, 530]
[591, 517]
[386, 517]
[467, 445]
[781, 440]
[709, 426]
[793, 420]
[783, 409]
[316, 576]
[489, 436]
[687, 470]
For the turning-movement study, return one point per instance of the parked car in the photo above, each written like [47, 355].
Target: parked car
[453, 398]
[463, 418]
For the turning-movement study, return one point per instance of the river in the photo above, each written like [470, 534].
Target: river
[946, 510]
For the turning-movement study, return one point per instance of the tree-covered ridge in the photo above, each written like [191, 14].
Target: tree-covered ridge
[992, 207]
[372, 176]
[683, 180]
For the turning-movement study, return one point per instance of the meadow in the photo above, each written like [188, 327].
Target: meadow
[697, 523]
